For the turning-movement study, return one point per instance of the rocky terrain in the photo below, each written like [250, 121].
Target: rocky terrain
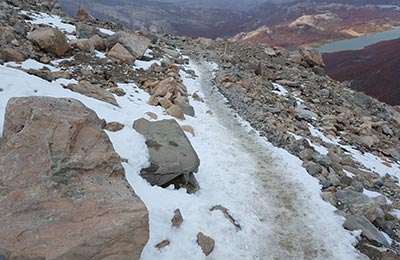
[87, 103]
[373, 70]
[315, 23]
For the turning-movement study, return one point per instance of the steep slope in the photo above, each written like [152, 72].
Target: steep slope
[374, 70]
[287, 156]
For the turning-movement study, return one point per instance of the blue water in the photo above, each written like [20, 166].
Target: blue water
[359, 42]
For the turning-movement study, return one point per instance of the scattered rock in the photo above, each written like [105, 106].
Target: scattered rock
[50, 40]
[152, 115]
[82, 15]
[67, 167]
[85, 31]
[9, 54]
[88, 89]
[118, 91]
[134, 43]
[206, 243]
[163, 244]
[120, 54]
[172, 157]
[368, 230]
[97, 42]
[82, 44]
[188, 128]
[175, 111]
[114, 126]
[312, 57]
[177, 219]
[227, 215]
[196, 97]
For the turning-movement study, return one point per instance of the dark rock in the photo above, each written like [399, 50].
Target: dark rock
[206, 243]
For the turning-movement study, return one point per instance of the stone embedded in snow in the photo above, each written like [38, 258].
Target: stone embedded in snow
[206, 243]
[368, 230]
[63, 189]
[183, 103]
[163, 244]
[172, 158]
[177, 220]
[134, 43]
[113, 126]
[88, 89]
[175, 111]
[82, 44]
[50, 40]
[152, 115]
[120, 54]
[189, 129]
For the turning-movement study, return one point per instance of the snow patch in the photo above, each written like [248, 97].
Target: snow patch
[54, 21]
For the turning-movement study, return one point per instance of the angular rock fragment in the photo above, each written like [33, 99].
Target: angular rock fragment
[172, 158]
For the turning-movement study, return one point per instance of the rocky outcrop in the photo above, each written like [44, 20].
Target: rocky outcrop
[62, 185]
[50, 40]
[172, 158]
[134, 43]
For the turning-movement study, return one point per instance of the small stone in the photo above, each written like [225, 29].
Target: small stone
[188, 128]
[152, 115]
[206, 243]
[163, 244]
[114, 126]
[176, 112]
[197, 98]
[177, 219]
[118, 91]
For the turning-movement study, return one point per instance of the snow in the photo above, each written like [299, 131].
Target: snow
[106, 31]
[371, 194]
[100, 54]
[54, 21]
[227, 176]
[368, 160]
[141, 64]
[31, 64]
[281, 90]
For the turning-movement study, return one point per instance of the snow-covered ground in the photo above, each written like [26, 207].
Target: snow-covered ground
[234, 173]
[268, 192]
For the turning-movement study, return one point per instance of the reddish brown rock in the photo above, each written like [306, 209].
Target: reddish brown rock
[206, 243]
[176, 112]
[311, 57]
[9, 54]
[63, 189]
[82, 15]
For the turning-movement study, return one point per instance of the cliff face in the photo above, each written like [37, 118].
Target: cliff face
[374, 70]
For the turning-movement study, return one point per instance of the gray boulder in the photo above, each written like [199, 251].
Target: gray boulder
[362, 100]
[172, 157]
[85, 31]
[134, 43]
[368, 230]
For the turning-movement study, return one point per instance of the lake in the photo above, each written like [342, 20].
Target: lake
[359, 43]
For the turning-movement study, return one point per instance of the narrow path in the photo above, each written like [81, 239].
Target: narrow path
[284, 197]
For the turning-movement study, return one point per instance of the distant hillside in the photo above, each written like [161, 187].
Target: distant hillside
[374, 70]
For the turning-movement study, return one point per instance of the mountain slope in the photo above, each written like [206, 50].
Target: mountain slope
[374, 70]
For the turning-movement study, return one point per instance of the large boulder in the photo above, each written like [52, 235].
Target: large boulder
[50, 40]
[134, 43]
[172, 158]
[120, 54]
[63, 193]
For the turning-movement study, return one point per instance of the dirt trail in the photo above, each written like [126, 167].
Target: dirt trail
[282, 201]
